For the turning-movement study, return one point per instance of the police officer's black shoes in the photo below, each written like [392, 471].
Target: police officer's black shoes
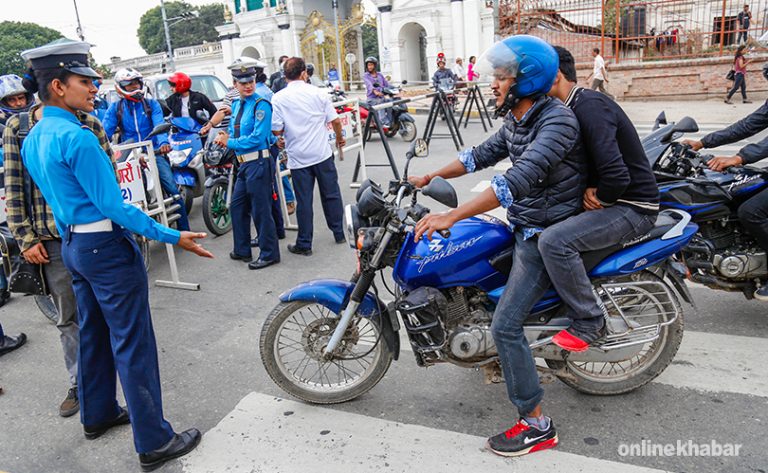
[95, 431]
[237, 257]
[299, 251]
[179, 445]
[8, 344]
[261, 263]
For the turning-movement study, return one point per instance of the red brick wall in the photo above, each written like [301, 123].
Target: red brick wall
[680, 80]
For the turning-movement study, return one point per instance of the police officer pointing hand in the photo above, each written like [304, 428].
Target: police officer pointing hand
[77, 180]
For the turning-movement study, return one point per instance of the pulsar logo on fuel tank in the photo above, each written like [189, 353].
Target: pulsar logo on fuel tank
[449, 250]
[741, 180]
[435, 245]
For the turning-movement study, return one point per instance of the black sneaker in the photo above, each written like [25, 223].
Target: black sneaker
[8, 344]
[762, 293]
[523, 438]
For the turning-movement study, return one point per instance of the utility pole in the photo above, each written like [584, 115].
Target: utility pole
[79, 27]
[171, 63]
[335, 4]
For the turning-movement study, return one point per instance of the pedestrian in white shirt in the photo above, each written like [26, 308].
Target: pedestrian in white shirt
[599, 75]
[300, 114]
[458, 70]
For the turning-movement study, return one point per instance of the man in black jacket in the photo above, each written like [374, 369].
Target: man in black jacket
[621, 203]
[185, 102]
[753, 213]
[544, 186]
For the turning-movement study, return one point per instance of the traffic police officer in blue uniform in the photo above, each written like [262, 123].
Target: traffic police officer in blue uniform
[250, 136]
[77, 180]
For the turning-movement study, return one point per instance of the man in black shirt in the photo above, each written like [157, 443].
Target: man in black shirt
[621, 203]
[185, 102]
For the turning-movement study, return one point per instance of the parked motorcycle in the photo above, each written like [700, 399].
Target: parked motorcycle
[186, 159]
[222, 167]
[722, 255]
[330, 341]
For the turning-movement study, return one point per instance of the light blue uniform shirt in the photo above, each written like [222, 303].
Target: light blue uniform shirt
[255, 125]
[76, 177]
[264, 91]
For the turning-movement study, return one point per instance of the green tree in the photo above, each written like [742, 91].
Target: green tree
[370, 41]
[15, 37]
[185, 33]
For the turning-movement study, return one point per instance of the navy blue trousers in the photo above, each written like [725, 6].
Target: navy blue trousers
[330, 196]
[252, 195]
[111, 288]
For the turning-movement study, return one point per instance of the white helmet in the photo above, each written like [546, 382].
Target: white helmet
[11, 85]
[123, 78]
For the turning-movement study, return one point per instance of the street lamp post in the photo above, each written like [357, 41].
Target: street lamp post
[166, 27]
[335, 4]
[167, 37]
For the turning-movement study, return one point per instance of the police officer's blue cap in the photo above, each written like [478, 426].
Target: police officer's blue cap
[245, 69]
[64, 54]
[244, 74]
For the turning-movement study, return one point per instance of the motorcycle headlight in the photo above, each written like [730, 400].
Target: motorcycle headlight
[370, 202]
[177, 157]
[196, 160]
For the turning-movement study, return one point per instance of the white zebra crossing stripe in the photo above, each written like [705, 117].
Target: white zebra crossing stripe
[267, 434]
[720, 363]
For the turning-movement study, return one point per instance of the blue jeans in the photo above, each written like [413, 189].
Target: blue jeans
[561, 246]
[527, 283]
[330, 197]
[252, 197]
[168, 183]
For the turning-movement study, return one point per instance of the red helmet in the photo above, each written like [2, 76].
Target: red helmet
[181, 81]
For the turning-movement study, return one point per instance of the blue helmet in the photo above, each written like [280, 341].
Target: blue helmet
[530, 60]
[11, 85]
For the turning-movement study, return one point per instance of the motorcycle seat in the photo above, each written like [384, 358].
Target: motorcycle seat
[502, 262]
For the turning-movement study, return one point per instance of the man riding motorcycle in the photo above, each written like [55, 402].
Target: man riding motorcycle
[185, 102]
[374, 81]
[753, 213]
[544, 186]
[14, 98]
[133, 117]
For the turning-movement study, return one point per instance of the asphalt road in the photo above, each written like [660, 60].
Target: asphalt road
[430, 419]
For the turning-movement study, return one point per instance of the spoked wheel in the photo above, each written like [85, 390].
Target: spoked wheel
[408, 131]
[215, 212]
[644, 303]
[47, 307]
[292, 342]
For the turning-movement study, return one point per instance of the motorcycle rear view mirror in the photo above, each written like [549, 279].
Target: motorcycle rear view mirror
[420, 148]
[160, 129]
[686, 125]
[443, 192]
[660, 120]
[202, 115]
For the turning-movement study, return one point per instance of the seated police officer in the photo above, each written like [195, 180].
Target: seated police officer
[249, 135]
[109, 279]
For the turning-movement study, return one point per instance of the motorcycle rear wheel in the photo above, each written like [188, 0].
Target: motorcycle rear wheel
[408, 131]
[47, 307]
[611, 378]
[215, 212]
[300, 330]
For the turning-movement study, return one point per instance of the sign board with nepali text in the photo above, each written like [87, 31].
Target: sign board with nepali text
[131, 182]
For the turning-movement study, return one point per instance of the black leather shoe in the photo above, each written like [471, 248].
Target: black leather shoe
[237, 257]
[8, 344]
[281, 236]
[262, 263]
[299, 251]
[340, 240]
[95, 431]
[255, 242]
[178, 446]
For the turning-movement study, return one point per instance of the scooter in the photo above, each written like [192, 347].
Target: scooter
[186, 158]
[402, 121]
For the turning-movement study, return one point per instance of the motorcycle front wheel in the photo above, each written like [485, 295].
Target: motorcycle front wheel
[408, 131]
[292, 342]
[47, 307]
[215, 212]
[188, 196]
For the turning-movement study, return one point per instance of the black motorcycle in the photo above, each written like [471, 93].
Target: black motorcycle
[722, 255]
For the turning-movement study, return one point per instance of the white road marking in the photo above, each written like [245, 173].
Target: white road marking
[268, 434]
[481, 186]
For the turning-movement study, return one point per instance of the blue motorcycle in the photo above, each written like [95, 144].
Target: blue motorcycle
[330, 341]
[187, 159]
